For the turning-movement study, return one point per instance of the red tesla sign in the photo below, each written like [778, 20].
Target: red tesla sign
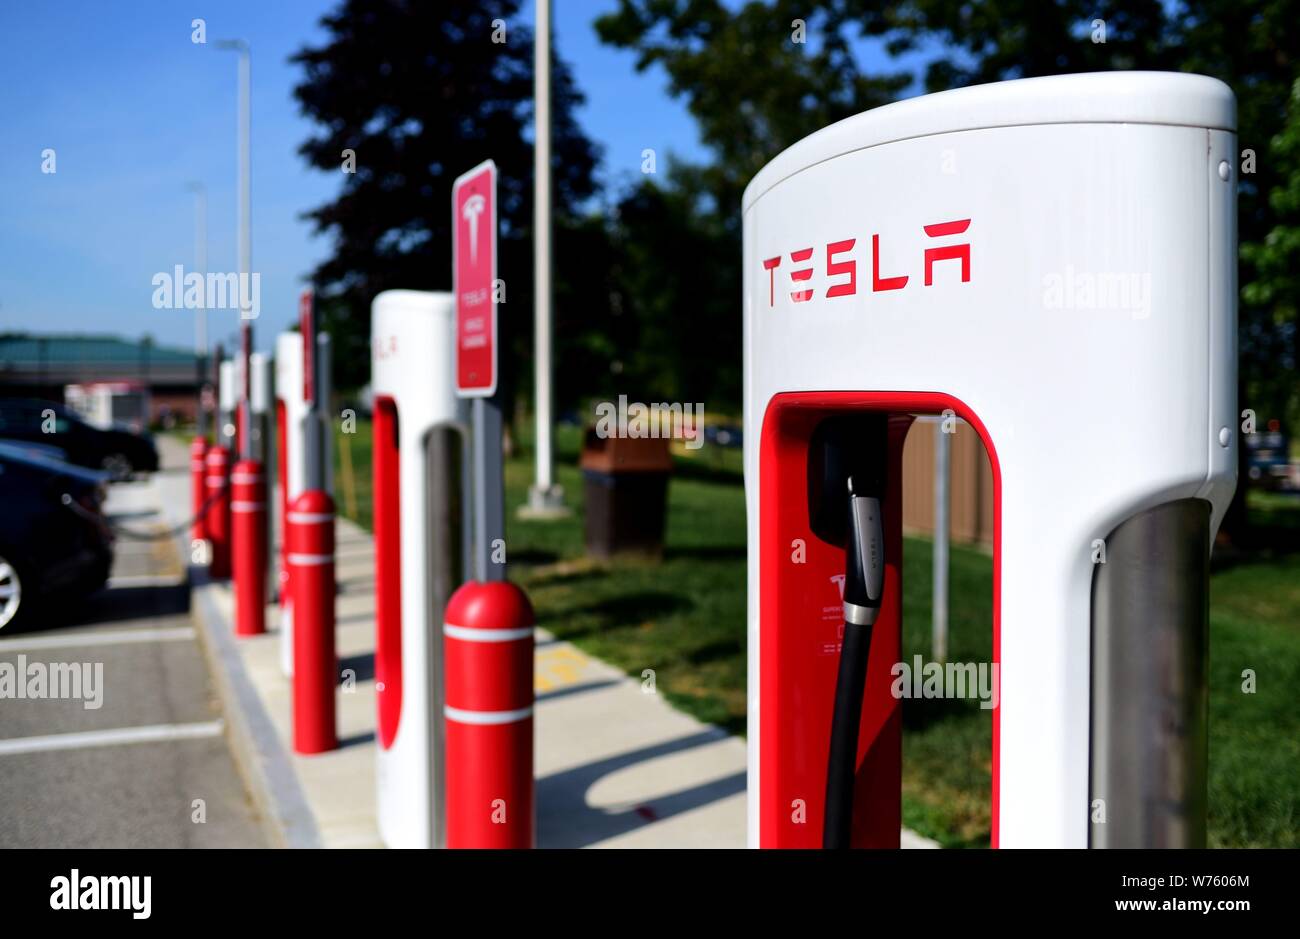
[474, 272]
[307, 326]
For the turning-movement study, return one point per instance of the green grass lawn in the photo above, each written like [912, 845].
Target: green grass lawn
[358, 447]
[1254, 738]
[684, 617]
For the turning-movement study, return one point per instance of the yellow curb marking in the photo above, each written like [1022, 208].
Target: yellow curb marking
[558, 667]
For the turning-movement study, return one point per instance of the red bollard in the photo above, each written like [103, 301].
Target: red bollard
[282, 489]
[310, 541]
[488, 674]
[198, 488]
[218, 517]
[248, 546]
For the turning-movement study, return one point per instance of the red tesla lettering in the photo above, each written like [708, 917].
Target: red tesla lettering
[802, 274]
[879, 283]
[951, 252]
[840, 264]
[836, 268]
[770, 265]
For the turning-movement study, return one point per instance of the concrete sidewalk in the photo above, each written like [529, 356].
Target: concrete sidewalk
[615, 767]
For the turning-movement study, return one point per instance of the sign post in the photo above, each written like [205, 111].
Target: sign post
[314, 463]
[474, 275]
[488, 623]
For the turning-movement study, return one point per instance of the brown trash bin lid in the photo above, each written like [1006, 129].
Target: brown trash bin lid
[625, 454]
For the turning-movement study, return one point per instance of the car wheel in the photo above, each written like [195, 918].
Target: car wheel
[117, 464]
[14, 601]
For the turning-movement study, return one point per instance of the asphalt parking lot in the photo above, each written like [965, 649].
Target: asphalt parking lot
[113, 736]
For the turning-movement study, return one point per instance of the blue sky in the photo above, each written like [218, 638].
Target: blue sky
[134, 111]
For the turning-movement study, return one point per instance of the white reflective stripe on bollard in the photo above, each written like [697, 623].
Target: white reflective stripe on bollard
[247, 506]
[310, 518]
[486, 717]
[311, 560]
[246, 477]
[486, 635]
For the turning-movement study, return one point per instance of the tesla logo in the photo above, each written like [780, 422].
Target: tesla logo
[472, 209]
[842, 267]
[838, 581]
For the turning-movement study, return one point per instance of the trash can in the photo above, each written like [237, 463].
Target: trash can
[625, 486]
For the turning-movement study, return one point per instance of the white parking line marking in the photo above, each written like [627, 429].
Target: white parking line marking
[155, 733]
[116, 637]
[146, 580]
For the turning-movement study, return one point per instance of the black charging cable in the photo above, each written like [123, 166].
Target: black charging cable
[164, 534]
[864, 579]
[847, 459]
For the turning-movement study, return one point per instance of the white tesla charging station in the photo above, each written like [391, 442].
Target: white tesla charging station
[298, 436]
[259, 402]
[1053, 260]
[420, 551]
[227, 402]
[260, 395]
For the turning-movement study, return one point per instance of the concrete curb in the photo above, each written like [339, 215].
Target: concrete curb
[262, 759]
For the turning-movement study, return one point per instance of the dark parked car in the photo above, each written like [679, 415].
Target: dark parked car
[724, 435]
[119, 452]
[1268, 457]
[55, 545]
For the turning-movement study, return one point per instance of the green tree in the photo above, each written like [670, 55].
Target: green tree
[754, 84]
[1254, 47]
[421, 92]
[757, 79]
[1274, 288]
[755, 93]
[996, 40]
[1251, 45]
[675, 282]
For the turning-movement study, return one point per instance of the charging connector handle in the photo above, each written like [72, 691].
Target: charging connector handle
[864, 575]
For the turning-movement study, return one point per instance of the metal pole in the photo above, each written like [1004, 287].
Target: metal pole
[939, 622]
[218, 427]
[245, 243]
[489, 494]
[201, 313]
[1150, 681]
[544, 495]
[313, 437]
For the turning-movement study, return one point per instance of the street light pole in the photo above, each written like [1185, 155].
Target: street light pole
[545, 498]
[201, 312]
[245, 242]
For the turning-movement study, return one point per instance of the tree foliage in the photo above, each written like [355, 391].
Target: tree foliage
[752, 87]
[755, 92]
[1274, 288]
[647, 278]
[420, 92]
